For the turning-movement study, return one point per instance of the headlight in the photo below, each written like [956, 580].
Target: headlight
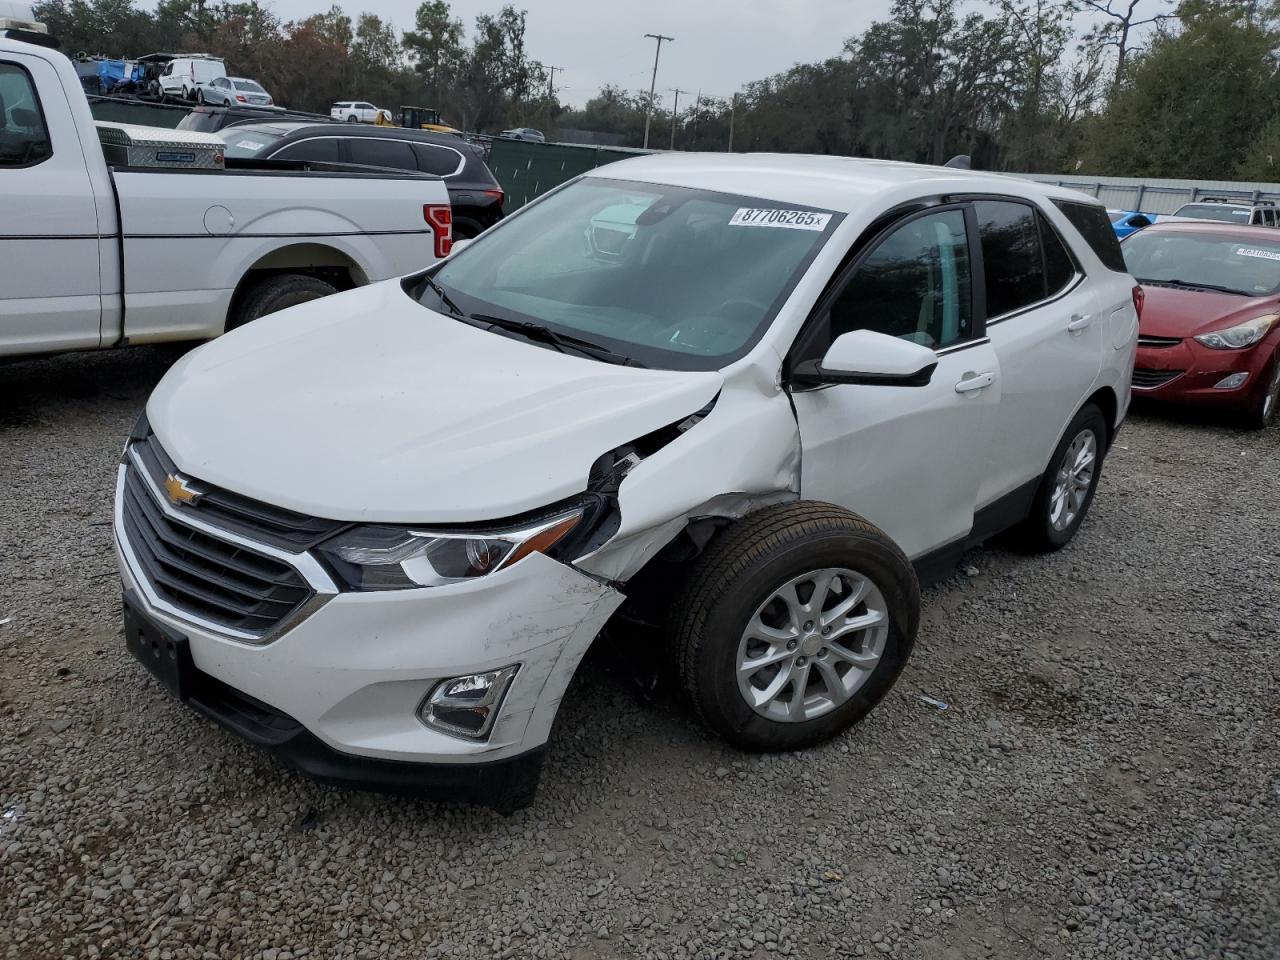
[1242, 335]
[380, 557]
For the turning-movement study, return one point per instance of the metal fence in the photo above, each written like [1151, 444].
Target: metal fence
[124, 110]
[527, 170]
[1159, 196]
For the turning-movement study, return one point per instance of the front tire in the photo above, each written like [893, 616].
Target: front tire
[1067, 487]
[200, 97]
[276, 293]
[1263, 412]
[794, 623]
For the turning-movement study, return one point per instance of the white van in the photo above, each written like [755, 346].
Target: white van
[182, 75]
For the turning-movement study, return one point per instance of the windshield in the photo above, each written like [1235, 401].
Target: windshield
[670, 277]
[248, 85]
[1214, 211]
[1250, 267]
[249, 141]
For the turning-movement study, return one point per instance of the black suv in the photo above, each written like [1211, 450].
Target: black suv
[474, 193]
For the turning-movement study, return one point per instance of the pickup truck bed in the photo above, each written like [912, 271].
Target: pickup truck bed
[95, 256]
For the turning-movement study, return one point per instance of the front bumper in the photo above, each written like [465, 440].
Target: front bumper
[1193, 370]
[352, 673]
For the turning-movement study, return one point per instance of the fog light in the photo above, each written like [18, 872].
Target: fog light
[467, 706]
[1231, 382]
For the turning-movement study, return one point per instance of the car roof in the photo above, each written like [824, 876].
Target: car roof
[843, 184]
[352, 131]
[1221, 228]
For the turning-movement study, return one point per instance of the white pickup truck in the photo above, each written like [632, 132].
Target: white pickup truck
[93, 255]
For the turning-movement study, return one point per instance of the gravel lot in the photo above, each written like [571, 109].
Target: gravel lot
[1104, 783]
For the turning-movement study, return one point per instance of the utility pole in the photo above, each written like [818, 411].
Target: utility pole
[675, 103]
[653, 83]
[697, 105]
[551, 81]
[733, 108]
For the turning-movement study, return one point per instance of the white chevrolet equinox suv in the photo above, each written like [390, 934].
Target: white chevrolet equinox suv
[753, 398]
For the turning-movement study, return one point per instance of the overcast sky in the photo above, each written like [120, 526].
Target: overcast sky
[720, 45]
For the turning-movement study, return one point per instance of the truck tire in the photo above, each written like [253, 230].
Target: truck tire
[820, 602]
[277, 292]
[1067, 487]
[351, 118]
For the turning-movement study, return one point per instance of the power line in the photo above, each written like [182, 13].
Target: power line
[653, 82]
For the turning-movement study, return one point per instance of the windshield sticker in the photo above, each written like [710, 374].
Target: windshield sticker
[786, 219]
[248, 145]
[1257, 252]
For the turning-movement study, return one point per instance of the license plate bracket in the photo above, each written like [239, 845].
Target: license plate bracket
[165, 654]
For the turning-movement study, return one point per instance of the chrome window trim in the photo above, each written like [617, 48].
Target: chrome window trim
[321, 583]
[1075, 282]
[462, 161]
[962, 345]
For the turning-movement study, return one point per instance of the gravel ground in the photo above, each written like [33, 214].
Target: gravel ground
[1103, 783]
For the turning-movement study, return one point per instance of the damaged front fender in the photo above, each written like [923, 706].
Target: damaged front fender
[744, 454]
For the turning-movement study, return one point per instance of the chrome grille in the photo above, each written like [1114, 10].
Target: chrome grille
[1149, 379]
[1147, 341]
[196, 572]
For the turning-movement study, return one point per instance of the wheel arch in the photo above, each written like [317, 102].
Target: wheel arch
[1105, 399]
[311, 259]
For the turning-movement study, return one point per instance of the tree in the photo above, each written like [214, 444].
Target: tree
[435, 46]
[1192, 104]
[1118, 30]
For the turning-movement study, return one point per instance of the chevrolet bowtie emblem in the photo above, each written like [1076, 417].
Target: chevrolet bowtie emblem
[179, 490]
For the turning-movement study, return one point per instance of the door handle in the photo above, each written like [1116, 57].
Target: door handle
[975, 381]
[1079, 321]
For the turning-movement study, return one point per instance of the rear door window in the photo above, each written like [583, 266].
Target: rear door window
[318, 150]
[1012, 262]
[1092, 222]
[382, 153]
[1059, 268]
[24, 138]
[441, 161]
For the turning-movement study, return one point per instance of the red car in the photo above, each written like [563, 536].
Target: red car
[1210, 322]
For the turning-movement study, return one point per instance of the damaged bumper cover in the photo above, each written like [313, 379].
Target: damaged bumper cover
[338, 694]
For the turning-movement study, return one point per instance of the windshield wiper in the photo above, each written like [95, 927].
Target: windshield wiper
[1194, 285]
[453, 308]
[561, 341]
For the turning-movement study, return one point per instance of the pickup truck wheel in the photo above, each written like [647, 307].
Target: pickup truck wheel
[276, 293]
[351, 118]
[793, 624]
[1067, 487]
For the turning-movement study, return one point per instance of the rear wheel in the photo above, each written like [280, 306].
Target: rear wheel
[1067, 487]
[794, 623]
[351, 118]
[1263, 413]
[278, 292]
[186, 94]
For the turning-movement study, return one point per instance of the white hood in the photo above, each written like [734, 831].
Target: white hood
[368, 406]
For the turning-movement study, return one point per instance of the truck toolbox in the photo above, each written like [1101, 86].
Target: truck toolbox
[130, 145]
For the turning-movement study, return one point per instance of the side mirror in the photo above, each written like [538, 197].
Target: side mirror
[871, 359]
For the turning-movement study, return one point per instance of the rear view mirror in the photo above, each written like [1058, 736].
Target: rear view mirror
[871, 359]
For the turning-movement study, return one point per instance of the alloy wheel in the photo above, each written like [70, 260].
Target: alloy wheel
[1273, 394]
[1075, 477]
[812, 644]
